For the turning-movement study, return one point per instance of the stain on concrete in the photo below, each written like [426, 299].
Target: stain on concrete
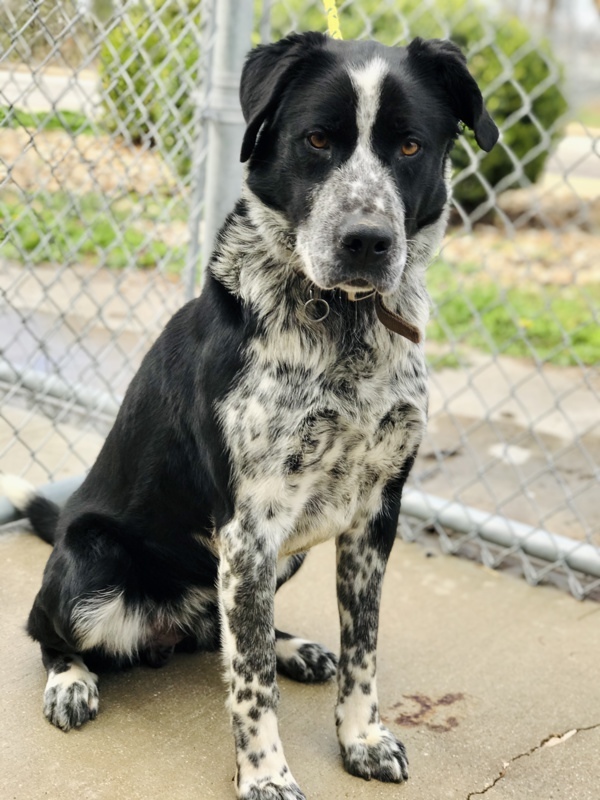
[420, 710]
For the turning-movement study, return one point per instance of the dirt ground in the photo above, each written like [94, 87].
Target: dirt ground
[531, 255]
[53, 161]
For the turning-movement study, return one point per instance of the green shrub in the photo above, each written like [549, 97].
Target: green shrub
[556, 325]
[150, 77]
[519, 77]
[522, 84]
[149, 73]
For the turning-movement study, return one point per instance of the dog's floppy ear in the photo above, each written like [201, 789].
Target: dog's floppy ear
[268, 69]
[442, 62]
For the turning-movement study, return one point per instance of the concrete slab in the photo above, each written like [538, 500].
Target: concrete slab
[476, 670]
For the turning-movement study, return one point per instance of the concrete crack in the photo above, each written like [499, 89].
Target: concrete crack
[549, 741]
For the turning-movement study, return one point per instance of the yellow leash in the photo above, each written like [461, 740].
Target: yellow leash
[333, 23]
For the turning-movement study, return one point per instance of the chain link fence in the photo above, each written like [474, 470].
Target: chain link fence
[106, 153]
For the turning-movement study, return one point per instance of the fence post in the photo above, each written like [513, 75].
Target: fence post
[199, 155]
[223, 116]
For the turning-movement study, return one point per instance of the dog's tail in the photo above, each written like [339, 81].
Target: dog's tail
[42, 513]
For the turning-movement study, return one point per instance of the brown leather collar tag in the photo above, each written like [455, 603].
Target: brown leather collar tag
[395, 323]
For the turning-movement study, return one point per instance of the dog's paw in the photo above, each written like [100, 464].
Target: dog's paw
[377, 755]
[71, 696]
[272, 791]
[307, 662]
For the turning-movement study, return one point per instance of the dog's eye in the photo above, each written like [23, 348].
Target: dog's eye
[410, 148]
[318, 140]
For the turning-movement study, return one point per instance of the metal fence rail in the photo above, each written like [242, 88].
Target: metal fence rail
[117, 127]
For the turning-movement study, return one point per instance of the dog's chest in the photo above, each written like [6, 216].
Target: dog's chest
[314, 438]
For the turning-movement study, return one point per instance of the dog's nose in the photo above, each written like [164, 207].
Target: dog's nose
[365, 243]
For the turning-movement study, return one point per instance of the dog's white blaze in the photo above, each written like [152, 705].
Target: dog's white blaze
[367, 82]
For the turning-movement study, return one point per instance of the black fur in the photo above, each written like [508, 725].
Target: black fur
[252, 432]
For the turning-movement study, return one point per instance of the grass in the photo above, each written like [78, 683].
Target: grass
[72, 121]
[60, 228]
[590, 115]
[555, 324]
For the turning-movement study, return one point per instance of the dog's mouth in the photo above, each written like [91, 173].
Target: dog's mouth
[356, 285]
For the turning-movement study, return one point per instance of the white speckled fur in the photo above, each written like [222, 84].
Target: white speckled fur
[267, 420]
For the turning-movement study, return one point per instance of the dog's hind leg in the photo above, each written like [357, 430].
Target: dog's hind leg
[297, 658]
[71, 694]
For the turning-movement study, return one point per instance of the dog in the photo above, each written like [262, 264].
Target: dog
[282, 407]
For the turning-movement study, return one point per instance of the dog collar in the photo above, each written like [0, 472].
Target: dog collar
[317, 310]
[394, 322]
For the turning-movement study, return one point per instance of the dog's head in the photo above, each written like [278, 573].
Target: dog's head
[348, 143]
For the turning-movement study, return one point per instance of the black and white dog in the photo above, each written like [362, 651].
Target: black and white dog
[281, 408]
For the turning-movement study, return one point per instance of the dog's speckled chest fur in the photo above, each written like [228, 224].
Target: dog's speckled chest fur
[323, 413]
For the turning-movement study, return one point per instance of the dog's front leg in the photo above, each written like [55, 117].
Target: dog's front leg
[369, 749]
[247, 582]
